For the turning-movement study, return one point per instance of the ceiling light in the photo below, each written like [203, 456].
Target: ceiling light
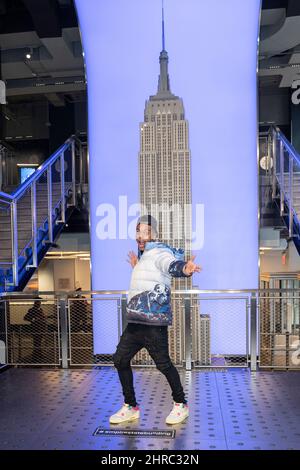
[29, 54]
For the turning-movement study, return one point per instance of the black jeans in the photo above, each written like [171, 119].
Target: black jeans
[155, 339]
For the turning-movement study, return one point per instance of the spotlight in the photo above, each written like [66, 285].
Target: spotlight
[29, 54]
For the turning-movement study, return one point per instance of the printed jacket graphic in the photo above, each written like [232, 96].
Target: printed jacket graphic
[149, 296]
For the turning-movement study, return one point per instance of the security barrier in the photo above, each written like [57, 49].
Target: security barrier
[280, 330]
[211, 329]
[31, 331]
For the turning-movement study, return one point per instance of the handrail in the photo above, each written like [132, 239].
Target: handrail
[74, 137]
[286, 164]
[6, 145]
[39, 171]
[288, 145]
[53, 202]
[253, 312]
[33, 294]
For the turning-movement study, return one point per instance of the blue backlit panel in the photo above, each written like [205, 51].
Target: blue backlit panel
[212, 47]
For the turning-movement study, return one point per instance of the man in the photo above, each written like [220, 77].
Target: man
[148, 315]
[79, 312]
[38, 320]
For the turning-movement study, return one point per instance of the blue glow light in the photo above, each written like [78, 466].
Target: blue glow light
[25, 172]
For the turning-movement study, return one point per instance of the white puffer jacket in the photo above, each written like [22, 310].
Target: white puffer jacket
[149, 296]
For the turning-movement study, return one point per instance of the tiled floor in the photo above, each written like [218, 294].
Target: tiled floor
[233, 409]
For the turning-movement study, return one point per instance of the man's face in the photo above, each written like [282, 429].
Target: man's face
[143, 235]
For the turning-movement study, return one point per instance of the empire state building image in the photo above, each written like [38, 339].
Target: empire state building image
[165, 183]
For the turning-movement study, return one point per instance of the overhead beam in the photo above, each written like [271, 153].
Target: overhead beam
[271, 4]
[293, 8]
[57, 100]
[30, 90]
[45, 16]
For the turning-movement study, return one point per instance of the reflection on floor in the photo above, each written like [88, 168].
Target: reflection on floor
[229, 409]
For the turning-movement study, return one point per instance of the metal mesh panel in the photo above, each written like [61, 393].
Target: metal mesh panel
[201, 343]
[41, 199]
[200, 328]
[207, 331]
[56, 184]
[220, 331]
[86, 314]
[32, 332]
[3, 335]
[24, 216]
[57, 176]
[279, 330]
[221, 316]
[177, 330]
[6, 243]
[68, 166]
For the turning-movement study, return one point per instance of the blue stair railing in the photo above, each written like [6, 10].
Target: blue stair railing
[34, 214]
[286, 182]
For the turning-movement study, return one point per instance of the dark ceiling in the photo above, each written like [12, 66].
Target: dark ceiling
[46, 17]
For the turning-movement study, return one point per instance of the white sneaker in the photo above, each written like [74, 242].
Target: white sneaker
[126, 413]
[178, 414]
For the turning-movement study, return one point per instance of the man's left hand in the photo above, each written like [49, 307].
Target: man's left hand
[191, 267]
[132, 259]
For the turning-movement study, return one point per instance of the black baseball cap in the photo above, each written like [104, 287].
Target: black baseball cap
[148, 220]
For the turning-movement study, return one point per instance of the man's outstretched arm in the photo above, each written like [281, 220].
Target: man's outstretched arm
[177, 268]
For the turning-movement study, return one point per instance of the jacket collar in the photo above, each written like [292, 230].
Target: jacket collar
[177, 252]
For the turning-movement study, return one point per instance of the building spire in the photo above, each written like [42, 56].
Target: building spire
[163, 80]
[163, 25]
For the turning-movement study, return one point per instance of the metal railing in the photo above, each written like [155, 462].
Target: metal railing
[211, 329]
[29, 215]
[284, 164]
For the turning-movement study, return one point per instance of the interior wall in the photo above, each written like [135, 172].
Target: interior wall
[64, 275]
[83, 274]
[272, 262]
[45, 276]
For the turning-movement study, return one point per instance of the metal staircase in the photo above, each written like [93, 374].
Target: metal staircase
[33, 215]
[283, 165]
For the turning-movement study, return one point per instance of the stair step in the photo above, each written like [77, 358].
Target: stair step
[25, 210]
[24, 223]
[295, 189]
[23, 227]
[21, 236]
[41, 203]
[25, 214]
[21, 242]
[295, 199]
[5, 259]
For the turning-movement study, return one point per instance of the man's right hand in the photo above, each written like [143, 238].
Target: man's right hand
[132, 258]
